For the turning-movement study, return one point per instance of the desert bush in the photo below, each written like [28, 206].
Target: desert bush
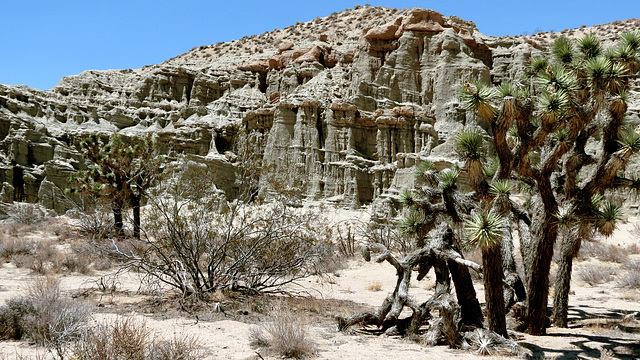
[387, 235]
[345, 238]
[79, 263]
[46, 259]
[27, 213]
[44, 316]
[124, 338]
[285, 335]
[14, 246]
[631, 278]
[603, 252]
[195, 243]
[94, 221]
[594, 275]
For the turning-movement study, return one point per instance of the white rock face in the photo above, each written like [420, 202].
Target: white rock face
[351, 102]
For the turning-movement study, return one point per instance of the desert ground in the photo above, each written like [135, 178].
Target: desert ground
[604, 316]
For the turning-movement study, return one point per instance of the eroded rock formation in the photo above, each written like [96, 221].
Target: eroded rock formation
[349, 102]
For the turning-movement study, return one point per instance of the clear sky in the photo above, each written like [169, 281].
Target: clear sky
[42, 41]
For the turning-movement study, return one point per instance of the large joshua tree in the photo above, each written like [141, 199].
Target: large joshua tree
[540, 130]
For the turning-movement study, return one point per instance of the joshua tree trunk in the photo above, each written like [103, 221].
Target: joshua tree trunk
[135, 203]
[539, 259]
[117, 219]
[437, 256]
[514, 291]
[562, 287]
[570, 247]
[494, 296]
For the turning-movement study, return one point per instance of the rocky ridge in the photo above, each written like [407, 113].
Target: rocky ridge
[351, 101]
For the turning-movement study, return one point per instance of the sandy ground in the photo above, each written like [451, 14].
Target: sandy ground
[592, 308]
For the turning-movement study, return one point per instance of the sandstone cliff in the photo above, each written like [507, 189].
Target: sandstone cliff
[351, 102]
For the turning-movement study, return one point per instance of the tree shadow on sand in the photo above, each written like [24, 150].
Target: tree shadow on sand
[615, 335]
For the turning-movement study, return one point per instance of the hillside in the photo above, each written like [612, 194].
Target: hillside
[352, 101]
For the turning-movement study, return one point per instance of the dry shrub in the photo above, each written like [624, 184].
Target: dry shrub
[46, 259]
[78, 263]
[95, 222]
[594, 275]
[27, 214]
[631, 278]
[14, 246]
[603, 252]
[124, 338]
[286, 335]
[44, 316]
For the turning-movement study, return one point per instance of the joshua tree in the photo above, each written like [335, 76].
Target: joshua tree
[120, 172]
[485, 229]
[575, 98]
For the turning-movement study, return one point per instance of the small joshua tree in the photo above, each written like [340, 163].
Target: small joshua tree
[119, 171]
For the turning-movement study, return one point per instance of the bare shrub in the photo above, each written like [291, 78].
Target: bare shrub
[286, 335]
[78, 263]
[14, 246]
[388, 235]
[603, 252]
[594, 275]
[631, 278]
[44, 316]
[46, 259]
[26, 213]
[94, 222]
[195, 243]
[125, 338]
[345, 238]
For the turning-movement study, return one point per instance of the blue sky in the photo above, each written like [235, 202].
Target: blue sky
[42, 41]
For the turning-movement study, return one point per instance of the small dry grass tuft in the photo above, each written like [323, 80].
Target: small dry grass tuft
[286, 335]
[374, 286]
[594, 275]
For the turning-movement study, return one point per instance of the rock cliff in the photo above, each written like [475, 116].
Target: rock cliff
[350, 102]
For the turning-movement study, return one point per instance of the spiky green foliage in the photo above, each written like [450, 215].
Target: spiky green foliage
[629, 141]
[470, 145]
[412, 223]
[596, 200]
[556, 78]
[566, 216]
[589, 46]
[608, 218]
[538, 65]
[426, 172]
[119, 171]
[562, 49]
[598, 70]
[477, 96]
[448, 179]
[491, 167]
[561, 135]
[510, 89]
[631, 39]
[407, 197]
[553, 105]
[484, 229]
[500, 187]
